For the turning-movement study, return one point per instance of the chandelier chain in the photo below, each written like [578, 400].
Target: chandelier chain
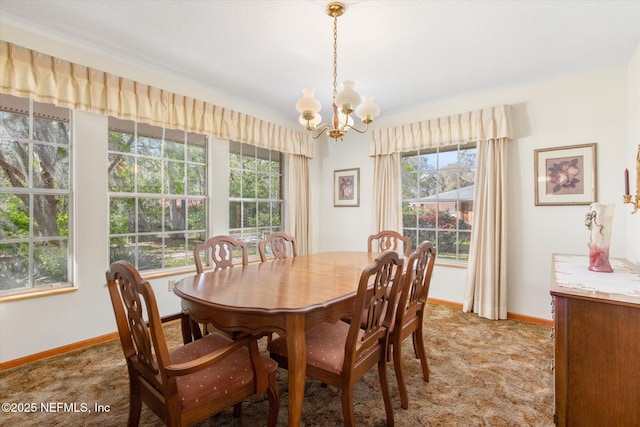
[335, 56]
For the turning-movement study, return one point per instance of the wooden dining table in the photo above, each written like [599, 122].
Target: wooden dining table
[284, 296]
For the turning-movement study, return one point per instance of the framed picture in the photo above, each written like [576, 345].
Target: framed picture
[346, 187]
[566, 175]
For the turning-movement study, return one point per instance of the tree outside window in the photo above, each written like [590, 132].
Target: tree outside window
[35, 195]
[437, 198]
[157, 194]
[255, 194]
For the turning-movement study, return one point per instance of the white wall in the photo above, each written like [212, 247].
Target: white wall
[633, 145]
[587, 108]
[579, 109]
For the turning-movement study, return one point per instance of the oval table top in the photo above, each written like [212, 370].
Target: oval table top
[292, 284]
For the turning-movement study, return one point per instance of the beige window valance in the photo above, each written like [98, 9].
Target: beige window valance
[27, 73]
[480, 125]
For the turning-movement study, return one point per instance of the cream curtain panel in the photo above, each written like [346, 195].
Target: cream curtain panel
[485, 291]
[27, 73]
[486, 284]
[387, 190]
[300, 212]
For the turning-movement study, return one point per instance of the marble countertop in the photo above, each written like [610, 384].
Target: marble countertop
[571, 271]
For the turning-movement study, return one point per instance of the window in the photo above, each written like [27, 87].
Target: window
[255, 194]
[437, 198]
[35, 196]
[157, 194]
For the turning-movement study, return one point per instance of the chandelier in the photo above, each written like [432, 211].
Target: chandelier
[344, 102]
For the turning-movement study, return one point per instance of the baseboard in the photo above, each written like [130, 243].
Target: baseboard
[56, 351]
[70, 347]
[514, 316]
[445, 302]
[530, 319]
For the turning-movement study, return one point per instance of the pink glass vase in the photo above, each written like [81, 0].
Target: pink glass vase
[599, 221]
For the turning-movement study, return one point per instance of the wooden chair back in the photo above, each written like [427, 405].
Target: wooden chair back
[378, 290]
[139, 324]
[281, 245]
[409, 316]
[390, 240]
[220, 252]
[416, 282]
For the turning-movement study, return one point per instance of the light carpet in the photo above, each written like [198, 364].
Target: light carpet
[483, 373]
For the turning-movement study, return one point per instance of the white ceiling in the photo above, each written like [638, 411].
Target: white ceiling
[406, 53]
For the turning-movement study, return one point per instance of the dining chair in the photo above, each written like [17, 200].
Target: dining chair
[339, 353]
[219, 251]
[409, 315]
[192, 382]
[389, 239]
[279, 244]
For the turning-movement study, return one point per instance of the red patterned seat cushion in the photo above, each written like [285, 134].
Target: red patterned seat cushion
[233, 371]
[324, 345]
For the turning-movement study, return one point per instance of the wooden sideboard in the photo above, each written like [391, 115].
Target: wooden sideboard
[596, 343]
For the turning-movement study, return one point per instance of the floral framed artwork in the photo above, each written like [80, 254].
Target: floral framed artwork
[566, 175]
[346, 187]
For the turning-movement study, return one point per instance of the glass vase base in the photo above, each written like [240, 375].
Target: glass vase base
[599, 260]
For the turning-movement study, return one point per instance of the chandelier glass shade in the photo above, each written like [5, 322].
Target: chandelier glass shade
[344, 102]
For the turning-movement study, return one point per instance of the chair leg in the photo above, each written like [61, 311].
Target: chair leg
[384, 385]
[397, 366]
[273, 395]
[135, 403]
[237, 410]
[347, 406]
[418, 347]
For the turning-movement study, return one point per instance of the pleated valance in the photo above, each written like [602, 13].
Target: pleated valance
[479, 125]
[27, 73]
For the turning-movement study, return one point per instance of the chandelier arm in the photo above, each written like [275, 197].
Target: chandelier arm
[321, 129]
[366, 128]
[311, 128]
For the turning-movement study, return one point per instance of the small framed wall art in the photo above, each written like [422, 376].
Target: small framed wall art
[346, 187]
[566, 175]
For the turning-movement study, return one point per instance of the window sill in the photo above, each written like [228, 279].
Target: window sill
[451, 264]
[38, 294]
[160, 274]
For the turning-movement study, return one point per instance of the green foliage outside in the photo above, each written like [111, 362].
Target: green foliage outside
[32, 166]
[255, 206]
[430, 184]
[167, 207]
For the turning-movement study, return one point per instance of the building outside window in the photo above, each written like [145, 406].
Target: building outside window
[255, 194]
[157, 194]
[35, 196]
[437, 198]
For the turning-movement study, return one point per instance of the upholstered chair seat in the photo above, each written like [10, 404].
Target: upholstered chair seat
[323, 344]
[231, 373]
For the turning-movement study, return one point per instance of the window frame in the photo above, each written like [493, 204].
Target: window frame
[47, 111]
[251, 235]
[438, 228]
[137, 238]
